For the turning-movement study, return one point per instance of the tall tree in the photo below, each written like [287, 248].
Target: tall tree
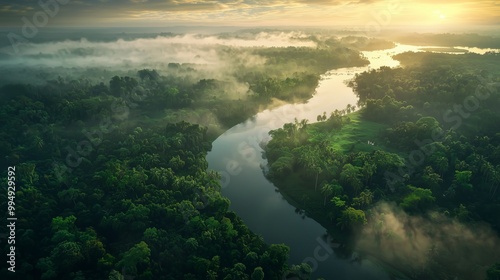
[327, 191]
[351, 175]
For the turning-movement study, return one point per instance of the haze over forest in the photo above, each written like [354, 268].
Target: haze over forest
[242, 139]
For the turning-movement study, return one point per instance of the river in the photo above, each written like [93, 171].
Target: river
[236, 154]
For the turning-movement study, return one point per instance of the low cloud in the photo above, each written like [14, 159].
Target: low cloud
[152, 53]
[189, 48]
[435, 245]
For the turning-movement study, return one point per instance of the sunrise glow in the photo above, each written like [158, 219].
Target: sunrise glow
[251, 13]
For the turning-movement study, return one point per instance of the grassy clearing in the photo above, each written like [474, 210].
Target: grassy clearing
[353, 136]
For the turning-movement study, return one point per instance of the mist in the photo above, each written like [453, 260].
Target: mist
[36, 62]
[189, 48]
[424, 245]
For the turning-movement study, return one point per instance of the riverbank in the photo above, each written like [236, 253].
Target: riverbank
[445, 50]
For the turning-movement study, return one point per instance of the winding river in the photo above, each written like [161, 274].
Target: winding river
[236, 154]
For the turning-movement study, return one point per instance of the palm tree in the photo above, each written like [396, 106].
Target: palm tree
[496, 179]
[487, 170]
[327, 191]
[442, 165]
[309, 158]
[38, 141]
[303, 123]
[368, 170]
[349, 108]
[323, 117]
[318, 170]
[366, 197]
[350, 174]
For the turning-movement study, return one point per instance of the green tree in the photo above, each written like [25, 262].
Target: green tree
[237, 272]
[258, 273]
[70, 195]
[252, 259]
[351, 175]
[302, 272]
[351, 218]
[462, 179]
[431, 179]
[418, 200]
[93, 250]
[27, 173]
[47, 267]
[426, 127]
[115, 275]
[368, 170]
[327, 191]
[364, 199]
[338, 202]
[493, 272]
[66, 255]
[282, 166]
[309, 157]
[279, 253]
[138, 254]
[60, 223]
[191, 245]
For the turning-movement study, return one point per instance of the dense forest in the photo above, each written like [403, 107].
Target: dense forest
[111, 177]
[411, 178]
[112, 181]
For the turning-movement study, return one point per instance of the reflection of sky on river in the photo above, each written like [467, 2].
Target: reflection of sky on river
[382, 58]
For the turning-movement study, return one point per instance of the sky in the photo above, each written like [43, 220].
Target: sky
[336, 13]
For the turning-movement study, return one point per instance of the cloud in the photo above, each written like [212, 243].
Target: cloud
[105, 10]
[98, 13]
[429, 245]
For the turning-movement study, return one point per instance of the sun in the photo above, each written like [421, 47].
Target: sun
[439, 15]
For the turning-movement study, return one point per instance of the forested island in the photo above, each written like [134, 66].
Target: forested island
[111, 176]
[411, 177]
